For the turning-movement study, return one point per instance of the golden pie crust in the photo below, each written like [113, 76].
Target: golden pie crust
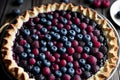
[8, 41]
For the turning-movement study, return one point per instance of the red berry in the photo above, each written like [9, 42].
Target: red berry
[36, 20]
[41, 36]
[94, 50]
[76, 64]
[46, 71]
[56, 55]
[78, 71]
[68, 27]
[83, 25]
[99, 55]
[51, 77]
[78, 49]
[56, 15]
[47, 53]
[95, 68]
[71, 50]
[66, 77]
[22, 42]
[89, 29]
[49, 27]
[32, 61]
[19, 49]
[76, 20]
[69, 58]
[106, 3]
[51, 58]
[57, 60]
[63, 62]
[64, 55]
[39, 26]
[68, 16]
[76, 77]
[35, 51]
[85, 55]
[91, 34]
[59, 45]
[55, 67]
[69, 22]
[74, 43]
[92, 60]
[97, 3]
[35, 44]
[97, 44]
[60, 25]
[54, 21]
[76, 56]
[94, 39]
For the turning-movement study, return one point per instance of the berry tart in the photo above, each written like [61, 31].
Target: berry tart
[60, 42]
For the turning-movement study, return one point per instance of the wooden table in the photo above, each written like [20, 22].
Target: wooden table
[6, 7]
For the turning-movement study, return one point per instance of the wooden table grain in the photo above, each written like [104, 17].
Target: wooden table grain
[6, 7]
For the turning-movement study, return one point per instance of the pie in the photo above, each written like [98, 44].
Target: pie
[60, 42]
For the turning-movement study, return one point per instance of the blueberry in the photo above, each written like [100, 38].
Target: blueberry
[86, 49]
[43, 20]
[82, 61]
[63, 69]
[58, 73]
[47, 63]
[81, 16]
[54, 28]
[86, 37]
[64, 20]
[63, 31]
[43, 30]
[28, 50]
[87, 67]
[52, 33]
[31, 55]
[66, 1]
[50, 44]
[74, 14]
[39, 63]
[86, 20]
[73, 26]
[93, 23]
[26, 32]
[54, 48]
[101, 38]
[16, 12]
[49, 16]
[90, 44]
[27, 45]
[48, 37]
[42, 56]
[71, 38]
[56, 36]
[34, 36]
[64, 38]
[43, 43]
[72, 32]
[23, 55]
[62, 49]
[71, 71]
[77, 30]
[48, 23]
[69, 64]
[43, 49]
[19, 2]
[68, 44]
[79, 36]
[36, 69]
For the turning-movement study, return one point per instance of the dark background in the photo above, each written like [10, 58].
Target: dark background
[6, 7]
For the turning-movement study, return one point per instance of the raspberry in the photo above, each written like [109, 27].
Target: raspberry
[97, 44]
[78, 71]
[55, 67]
[76, 77]
[78, 49]
[32, 61]
[92, 60]
[60, 26]
[51, 58]
[66, 77]
[63, 62]
[22, 42]
[71, 50]
[74, 43]
[69, 58]
[68, 16]
[67, 27]
[51, 77]
[83, 25]
[46, 71]
[35, 51]
[89, 29]
[85, 56]
[76, 64]
[77, 20]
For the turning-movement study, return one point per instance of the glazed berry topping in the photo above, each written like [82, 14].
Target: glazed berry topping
[60, 45]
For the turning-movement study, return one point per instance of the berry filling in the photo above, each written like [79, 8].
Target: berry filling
[60, 45]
